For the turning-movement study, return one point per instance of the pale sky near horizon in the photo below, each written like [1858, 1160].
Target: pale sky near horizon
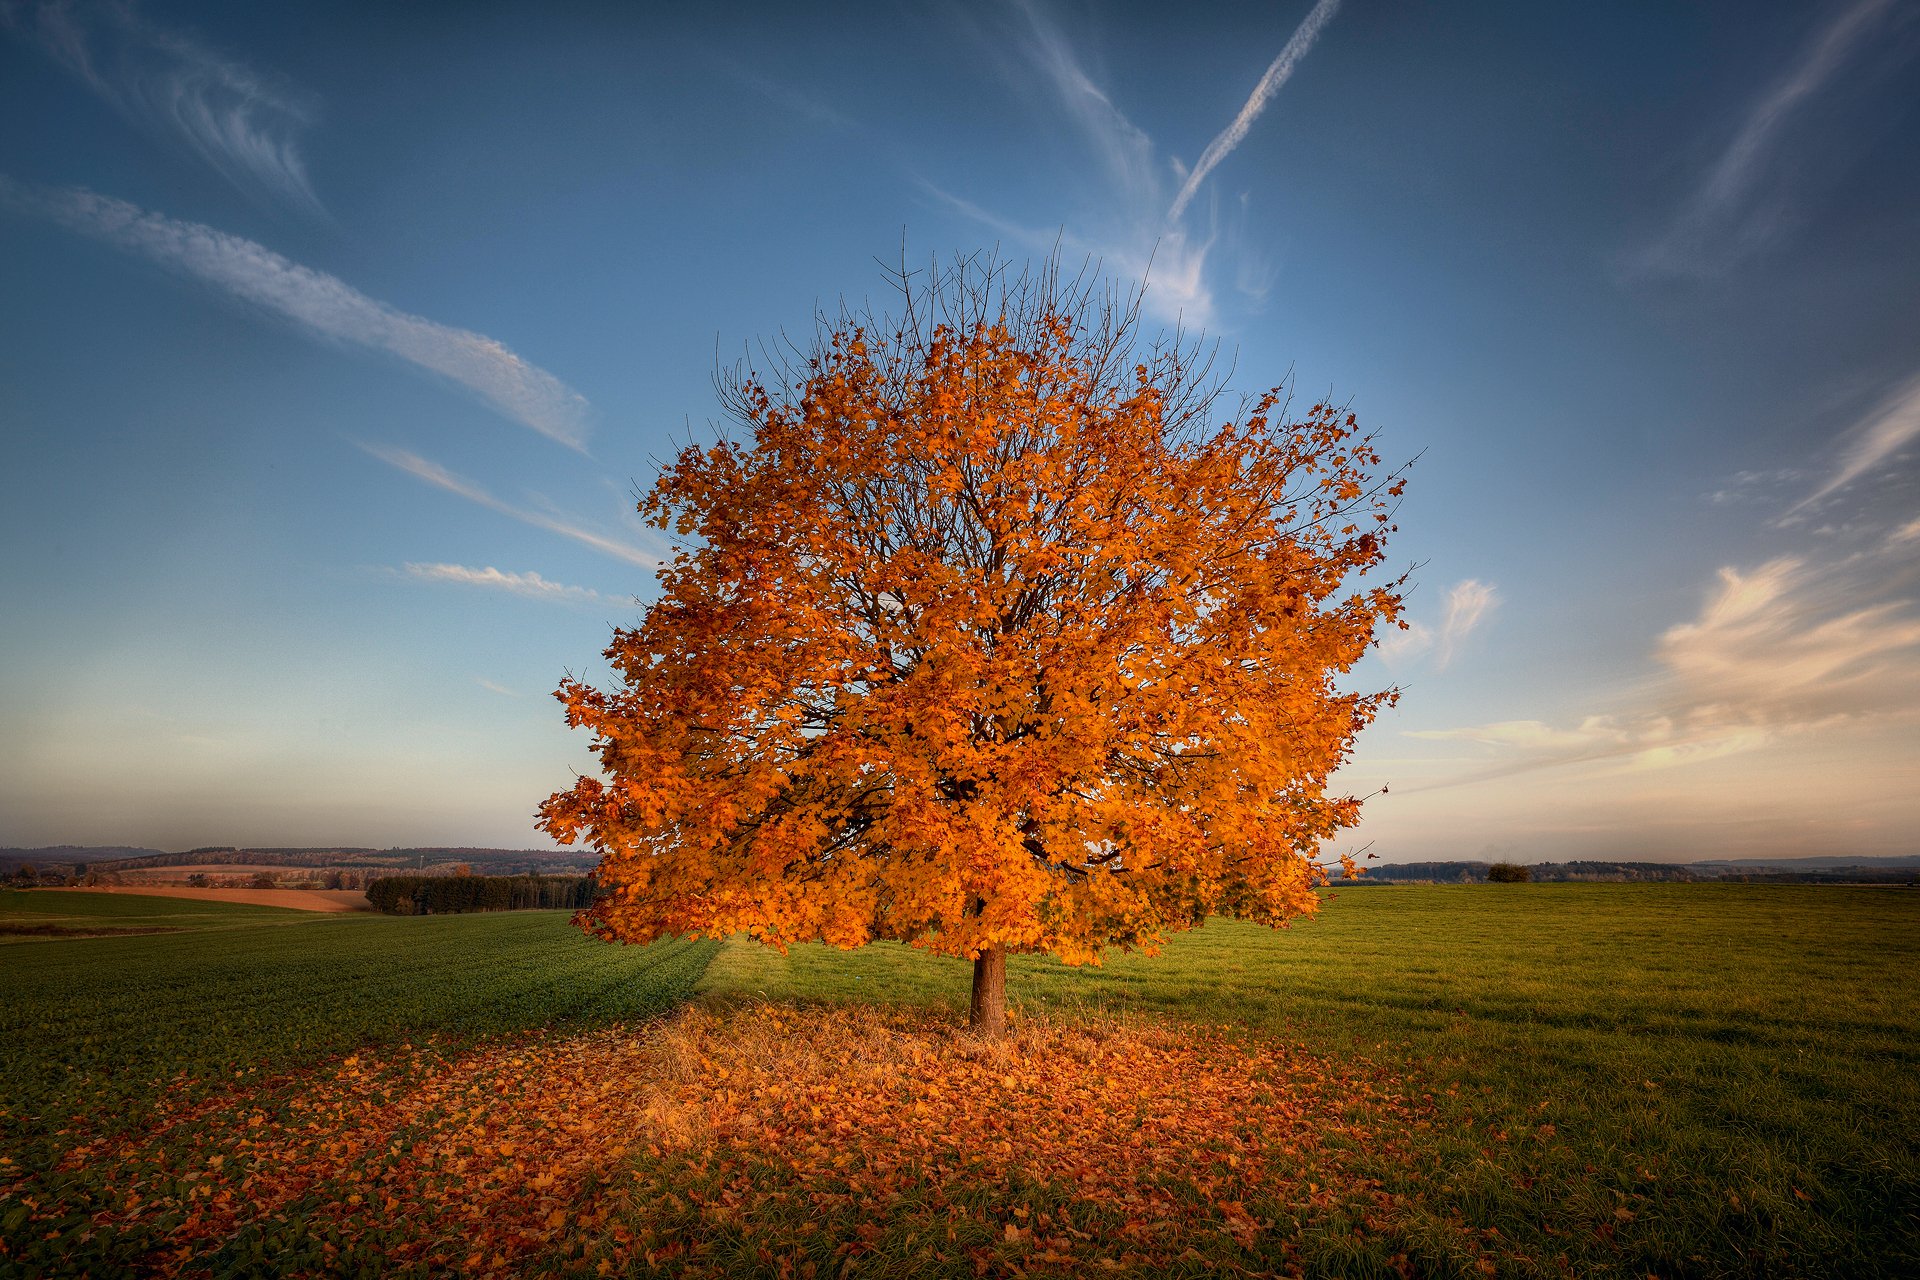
[336, 339]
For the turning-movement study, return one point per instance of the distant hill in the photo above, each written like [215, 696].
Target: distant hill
[1813, 870]
[1809, 864]
[54, 856]
[62, 860]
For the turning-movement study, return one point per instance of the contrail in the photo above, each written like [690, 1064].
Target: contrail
[1220, 147]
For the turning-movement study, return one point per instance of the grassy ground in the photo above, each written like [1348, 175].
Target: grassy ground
[106, 1024]
[29, 916]
[106, 1039]
[1664, 1079]
[1530, 1080]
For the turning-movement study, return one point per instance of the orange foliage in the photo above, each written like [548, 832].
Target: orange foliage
[988, 635]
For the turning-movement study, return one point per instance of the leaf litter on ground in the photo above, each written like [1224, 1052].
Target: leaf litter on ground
[754, 1138]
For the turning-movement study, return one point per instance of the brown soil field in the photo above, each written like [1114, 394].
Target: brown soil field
[298, 899]
[144, 875]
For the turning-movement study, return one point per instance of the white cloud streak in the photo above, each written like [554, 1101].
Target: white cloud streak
[1469, 603]
[529, 585]
[1890, 427]
[1173, 269]
[235, 119]
[1277, 74]
[1135, 234]
[316, 302]
[1785, 649]
[1123, 146]
[1792, 639]
[438, 476]
[1718, 222]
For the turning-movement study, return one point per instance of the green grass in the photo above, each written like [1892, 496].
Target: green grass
[1669, 1079]
[1666, 1079]
[104, 1025]
[41, 915]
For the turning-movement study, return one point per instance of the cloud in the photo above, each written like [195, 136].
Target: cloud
[1134, 232]
[1123, 146]
[491, 687]
[1469, 603]
[316, 302]
[1791, 641]
[435, 474]
[240, 122]
[1787, 648]
[1721, 221]
[1401, 645]
[1532, 735]
[1875, 439]
[530, 585]
[1173, 269]
[1276, 75]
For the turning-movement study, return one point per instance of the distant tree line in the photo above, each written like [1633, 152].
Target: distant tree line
[440, 895]
[529, 861]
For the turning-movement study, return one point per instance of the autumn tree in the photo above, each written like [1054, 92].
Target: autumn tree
[994, 627]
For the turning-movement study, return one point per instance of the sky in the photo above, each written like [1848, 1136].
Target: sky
[336, 342]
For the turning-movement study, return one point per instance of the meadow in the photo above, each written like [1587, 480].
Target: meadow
[1462, 1080]
[28, 917]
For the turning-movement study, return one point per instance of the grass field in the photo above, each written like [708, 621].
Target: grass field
[27, 916]
[1528, 1080]
[1664, 1079]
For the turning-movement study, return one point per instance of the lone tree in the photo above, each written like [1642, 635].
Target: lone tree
[985, 636]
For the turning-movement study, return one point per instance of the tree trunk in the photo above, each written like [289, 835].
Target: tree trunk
[988, 1016]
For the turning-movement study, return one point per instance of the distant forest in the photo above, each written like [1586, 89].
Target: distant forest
[443, 895]
[1783, 871]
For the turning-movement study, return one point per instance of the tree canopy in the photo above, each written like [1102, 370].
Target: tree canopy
[993, 626]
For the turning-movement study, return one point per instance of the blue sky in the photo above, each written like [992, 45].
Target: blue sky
[335, 341]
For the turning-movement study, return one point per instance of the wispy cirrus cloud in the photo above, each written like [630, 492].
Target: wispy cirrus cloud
[1725, 218]
[529, 585]
[1122, 146]
[245, 124]
[1137, 229]
[1469, 603]
[1784, 649]
[1872, 442]
[1277, 74]
[315, 302]
[434, 474]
